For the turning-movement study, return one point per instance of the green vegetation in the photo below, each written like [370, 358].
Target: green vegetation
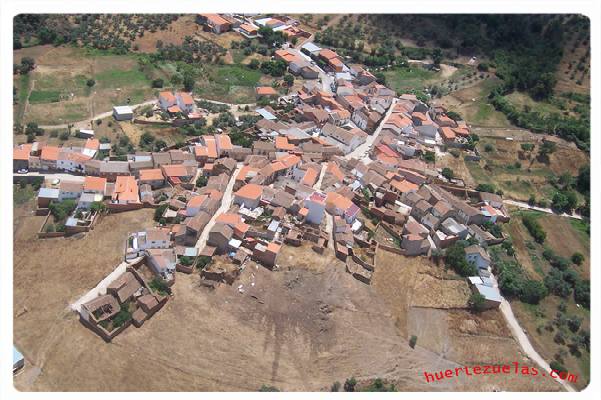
[534, 228]
[43, 96]
[448, 173]
[61, 210]
[202, 261]
[378, 386]
[202, 181]
[267, 388]
[408, 79]
[349, 384]
[22, 194]
[122, 316]
[514, 284]
[412, 341]
[160, 286]
[455, 259]
[477, 302]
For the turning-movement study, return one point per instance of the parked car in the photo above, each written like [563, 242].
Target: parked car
[22, 171]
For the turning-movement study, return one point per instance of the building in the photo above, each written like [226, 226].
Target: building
[478, 256]
[214, 22]
[47, 196]
[219, 237]
[94, 184]
[266, 91]
[123, 113]
[70, 190]
[249, 195]
[248, 30]
[166, 100]
[316, 206]
[342, 138]
[491, 294]
[185, 102]
[154, 177]
[126, 190]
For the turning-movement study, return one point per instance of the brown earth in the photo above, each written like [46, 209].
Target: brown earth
[184, 26]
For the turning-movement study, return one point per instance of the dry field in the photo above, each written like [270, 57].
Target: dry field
[184, 26]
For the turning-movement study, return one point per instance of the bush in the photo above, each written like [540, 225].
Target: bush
[61, 210]
[202, 181]
[429, 156]
[160, 286]
[50, 228]
[534, 228]
[378, 386]
[349, 384]
[412, 341]
[448, 173]
[556, 284]
[574, 324]
[158, 212]
[90, 82]
[266, 388]
[582, 293]
[488, 147]
[477, 302]
[64, 136]
[455, 259]
[556, 366]
[532, 292]
[122, 316]
[485, 187]
[577, 258]
[202, 261]
[158, 83]
[335, 387]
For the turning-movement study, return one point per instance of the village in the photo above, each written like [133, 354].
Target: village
[342, 164]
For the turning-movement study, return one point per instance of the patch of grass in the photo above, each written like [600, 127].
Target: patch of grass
[405, 79]
[114, 78]
[229, 83]
[22, 195]
[44, 96]
[23, 92]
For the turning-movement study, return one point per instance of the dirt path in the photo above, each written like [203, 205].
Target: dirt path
[525, 344]
[527, 206]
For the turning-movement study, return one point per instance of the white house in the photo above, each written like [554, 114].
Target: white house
[123, 113]
[345, 140]
[477, 255]
[316, 204]
[162, 261]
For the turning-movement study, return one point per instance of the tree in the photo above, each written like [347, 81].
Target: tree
[188, 81]
[27, 64]
[158, 83]
[582, 293]
[485, 187]
[488, 147]
[98, 207]
[90, 83]
[254, 64]
[158, 212]
[349, 384]
[577, 258]
[64, 136]
[546, 148]
[412, 341]
[288, 79]
[448, 173]
[535, 229]
[146, 139]
[583, 181]
[335, 387]
[477, 302]
[62, 209]
[455, 259]
[527, 147]
[532, 292]
[429, 156]
[33, 128]
[437, 57]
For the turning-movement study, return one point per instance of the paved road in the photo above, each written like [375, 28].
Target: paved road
[329, 229]
[226, 202]
[527, 206]
[522, 339]
[358, 152]
[322, 173]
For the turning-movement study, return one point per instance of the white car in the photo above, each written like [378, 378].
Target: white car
[22, 171]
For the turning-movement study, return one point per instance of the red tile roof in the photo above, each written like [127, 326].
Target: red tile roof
[151, 174]
[250, 191]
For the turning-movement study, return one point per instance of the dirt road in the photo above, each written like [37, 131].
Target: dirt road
[527, 206]
[525, 344]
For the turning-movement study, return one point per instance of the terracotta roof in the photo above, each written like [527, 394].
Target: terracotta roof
[93, 144]
[250, 191]
[94, 183]
[174, 170]
[215, 19]
[22, 152]
[333, 169]
[328, 54]
[167, 96]
[274, 247]
[126, 188]
[174, 109]
[224, 142]
[248, 28]
[420, 115]
[338, 201]
[186, 98]
[266, 91]
[303, 212]
[281, 143]
[404, 186]
[229, 219]
[211, 146]
[151, 174]
[290, 160]
[50, 153]
[245, 171]
[310, 177]
[447, 133]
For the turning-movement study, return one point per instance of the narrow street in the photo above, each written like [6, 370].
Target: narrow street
[364, 148]
[226, 202]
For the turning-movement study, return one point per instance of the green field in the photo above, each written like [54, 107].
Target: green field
[115, 78]
[407, 79]
[228, 83]
[44, 96]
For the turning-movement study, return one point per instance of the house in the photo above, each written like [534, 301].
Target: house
[493, 199]
[21, 157]
[194, 226]
[49, 157]
[85, 133]
[162, 261]
[123, 113]
[248, 30]
[214, 22]
[126, 190]
[332, 59]
[453, 228]
[152, 238]
[266, 255]
[166, 100]
[94, 184]
[492, 296]
[70, 190]
[72, 161]
[178, 173]
[337, 204]
[219, 237]
[87, 199]
[249, 195]
[266, 91]
[316, 205]
[342, 138]
[415, 245]
[478, 256]
[47, 196]
[185, 102]
[153, 177]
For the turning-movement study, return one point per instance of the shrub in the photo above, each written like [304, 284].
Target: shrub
[90, 82]
[267, 388]
[335, 387]
[158, 83]
[202, 181]
[577, 258]
[448, 173]
[485, 187]
[532, 292]
[61, 210]
[349, 384]
[159, 285]
[534, 228]
[574, 324]
[488, 147]
[477, 302]
[64, 136]
[378, 386]
[582, 293]
[122, 316]
[50, 228]
[556, 366]
[158, 212]
[412, 341]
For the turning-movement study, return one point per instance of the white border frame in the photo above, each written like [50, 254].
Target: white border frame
[10, 8]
